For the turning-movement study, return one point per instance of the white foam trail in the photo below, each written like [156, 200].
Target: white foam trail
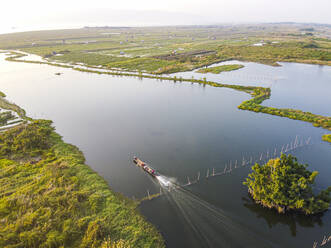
[163, 181]
[213, 226]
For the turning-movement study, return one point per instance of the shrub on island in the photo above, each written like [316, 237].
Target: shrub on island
[285, 184]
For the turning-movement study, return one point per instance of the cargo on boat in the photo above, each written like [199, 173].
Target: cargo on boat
[145, 167]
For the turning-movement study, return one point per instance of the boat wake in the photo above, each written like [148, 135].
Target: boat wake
[210, 225]
[164, 181]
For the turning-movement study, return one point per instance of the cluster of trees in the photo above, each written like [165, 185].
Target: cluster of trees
[58, 201]
[285, 184]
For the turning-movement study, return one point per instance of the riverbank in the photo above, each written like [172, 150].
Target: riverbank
[50, 198]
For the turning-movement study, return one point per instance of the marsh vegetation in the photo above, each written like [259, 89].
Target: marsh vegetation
[50, 198]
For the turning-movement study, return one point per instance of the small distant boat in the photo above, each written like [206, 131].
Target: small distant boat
[145, 167]
[58, 73]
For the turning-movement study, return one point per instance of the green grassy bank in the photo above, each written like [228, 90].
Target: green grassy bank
[262, 94]
[50, 198]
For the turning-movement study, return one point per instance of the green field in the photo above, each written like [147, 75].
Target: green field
[172, 49]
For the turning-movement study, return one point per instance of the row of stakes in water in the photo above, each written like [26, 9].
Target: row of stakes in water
[250, 162]
[244, 163]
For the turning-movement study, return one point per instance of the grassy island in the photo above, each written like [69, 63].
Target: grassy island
[327, 137]
[221, 68]
[50, 198]
[260, 94]
[286, 185]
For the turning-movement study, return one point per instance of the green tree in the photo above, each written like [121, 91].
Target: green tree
[285, 184]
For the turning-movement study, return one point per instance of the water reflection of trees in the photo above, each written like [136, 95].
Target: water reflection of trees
[272, 217]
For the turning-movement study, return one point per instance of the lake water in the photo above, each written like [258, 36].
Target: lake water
[183, 129]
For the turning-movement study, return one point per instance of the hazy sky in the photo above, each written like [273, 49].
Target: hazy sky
[42, 14]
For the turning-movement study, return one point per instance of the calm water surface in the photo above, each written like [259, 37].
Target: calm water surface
[298, 86]
[182, 129]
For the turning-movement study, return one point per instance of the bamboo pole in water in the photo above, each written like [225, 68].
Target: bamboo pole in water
[308, 140]
[293, 145]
